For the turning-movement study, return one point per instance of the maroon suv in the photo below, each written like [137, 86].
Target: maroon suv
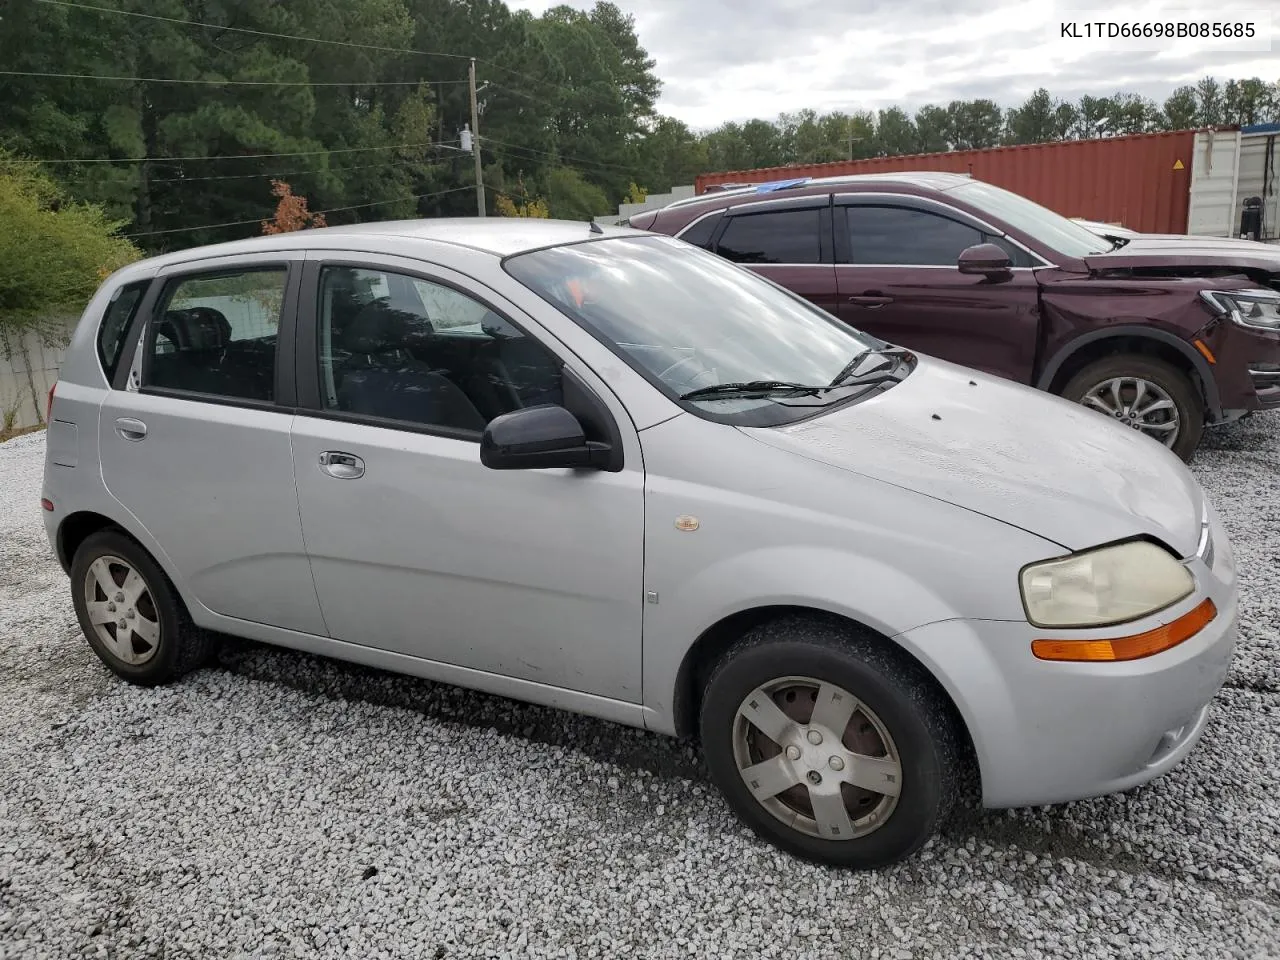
[1164, 333]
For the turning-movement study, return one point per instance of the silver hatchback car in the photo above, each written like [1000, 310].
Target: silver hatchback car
[606, 471]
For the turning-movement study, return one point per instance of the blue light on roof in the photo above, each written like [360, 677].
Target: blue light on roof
[781, 184]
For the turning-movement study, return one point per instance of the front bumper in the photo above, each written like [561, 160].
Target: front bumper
[1049, 732]
[1246, 368]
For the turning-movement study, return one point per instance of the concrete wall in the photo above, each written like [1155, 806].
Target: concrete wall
[28, 368]
[651, 202]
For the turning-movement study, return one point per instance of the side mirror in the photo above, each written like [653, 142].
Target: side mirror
[985, 259]
[538, 437]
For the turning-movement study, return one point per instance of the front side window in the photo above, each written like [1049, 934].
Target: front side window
[402, 348]
[780, 236]
[905, 237]
[692, 324]
[115, 325]
[216, 335]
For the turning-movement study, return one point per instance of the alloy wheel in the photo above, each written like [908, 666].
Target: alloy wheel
[1137, 403]
[816, 758]
[122, 610]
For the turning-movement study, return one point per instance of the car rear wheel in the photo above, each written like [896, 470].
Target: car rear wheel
[1144, 394]
[130, 613]
[827, 745]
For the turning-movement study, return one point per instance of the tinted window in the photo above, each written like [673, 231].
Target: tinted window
[699, 234]
[897, 235]
[115, 325]
[1017, 256]
[217, 335]
[781, 236]
[403, 348]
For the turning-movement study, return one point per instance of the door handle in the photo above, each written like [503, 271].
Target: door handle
[131, 429]
[344, 466]
[870, 302]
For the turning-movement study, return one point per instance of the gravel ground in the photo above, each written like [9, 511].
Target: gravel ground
[281, 805]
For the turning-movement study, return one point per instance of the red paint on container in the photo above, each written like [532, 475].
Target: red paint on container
[1142, 181]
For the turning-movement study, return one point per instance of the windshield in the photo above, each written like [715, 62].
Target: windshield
[731, 344]
[1054, 231]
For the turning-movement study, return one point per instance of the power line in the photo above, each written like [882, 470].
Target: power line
[560, 156]
[236, 156]
[256, 33]
[290, 36]
[293, 173]
[241, 223]
[229, 83]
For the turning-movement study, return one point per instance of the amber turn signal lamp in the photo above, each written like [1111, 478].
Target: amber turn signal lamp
[1204, 349]
[1134, 647]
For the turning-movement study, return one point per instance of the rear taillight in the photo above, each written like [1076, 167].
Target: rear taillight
[48, 408]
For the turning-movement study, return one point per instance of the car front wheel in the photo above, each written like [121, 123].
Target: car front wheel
[1144, 394]
[828, 745]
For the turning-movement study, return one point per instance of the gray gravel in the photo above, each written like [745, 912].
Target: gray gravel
[285, 806]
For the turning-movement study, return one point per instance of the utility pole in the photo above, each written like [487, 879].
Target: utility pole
[475, 141]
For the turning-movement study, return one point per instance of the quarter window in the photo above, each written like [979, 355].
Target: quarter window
[115, 325]
[898, 236]
[780, 236]
[216, 335]
[403, 348]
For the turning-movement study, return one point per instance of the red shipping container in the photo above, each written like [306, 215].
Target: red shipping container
[1141, 181]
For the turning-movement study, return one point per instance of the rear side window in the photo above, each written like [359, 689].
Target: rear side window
[115, 325]
[782, 236]
[699, 234]
[898, 236]
[216, 335]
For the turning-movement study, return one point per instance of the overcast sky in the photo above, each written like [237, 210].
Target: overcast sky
[736, 59]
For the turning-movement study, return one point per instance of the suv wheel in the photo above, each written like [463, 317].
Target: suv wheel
[1148, 395]
[828, 746]
[130, 612]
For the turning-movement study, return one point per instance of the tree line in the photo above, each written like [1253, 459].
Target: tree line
[177, 118]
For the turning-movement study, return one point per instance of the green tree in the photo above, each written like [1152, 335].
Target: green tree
[1209, 111]
[1181, 109]
[896, 133]
[571, 197]
[54, 252]
[933, 130]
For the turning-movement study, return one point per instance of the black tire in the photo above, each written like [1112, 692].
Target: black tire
[181, 646]
[1177, 384]
[905, 700]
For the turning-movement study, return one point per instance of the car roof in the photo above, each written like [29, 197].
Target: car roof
[927, 179]
[500, 236]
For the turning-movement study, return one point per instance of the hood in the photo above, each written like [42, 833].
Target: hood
[1152, 250]
[1017, 455]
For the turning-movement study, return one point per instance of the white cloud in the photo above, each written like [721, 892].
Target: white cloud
[735, 59]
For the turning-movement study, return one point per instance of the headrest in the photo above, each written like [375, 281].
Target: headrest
[378, 328]
[197, 328]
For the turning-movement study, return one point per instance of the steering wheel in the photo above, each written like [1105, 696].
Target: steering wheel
[682, 362]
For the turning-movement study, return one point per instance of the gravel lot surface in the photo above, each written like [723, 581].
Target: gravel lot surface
[282, 805]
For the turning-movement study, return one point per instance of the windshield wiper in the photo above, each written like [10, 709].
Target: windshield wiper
[751, 388]
[845, 377]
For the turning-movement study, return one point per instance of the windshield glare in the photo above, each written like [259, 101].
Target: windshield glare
[1054, 231]
[691, 320]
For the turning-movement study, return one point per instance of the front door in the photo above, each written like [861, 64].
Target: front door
[415, 546]
[197, 450]
[897, 279]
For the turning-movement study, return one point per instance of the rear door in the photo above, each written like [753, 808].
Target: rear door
[786, 240]
[898, 279]
[194, 440]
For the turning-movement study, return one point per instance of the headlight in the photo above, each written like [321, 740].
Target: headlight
[1249, 308]
[1105, 586]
